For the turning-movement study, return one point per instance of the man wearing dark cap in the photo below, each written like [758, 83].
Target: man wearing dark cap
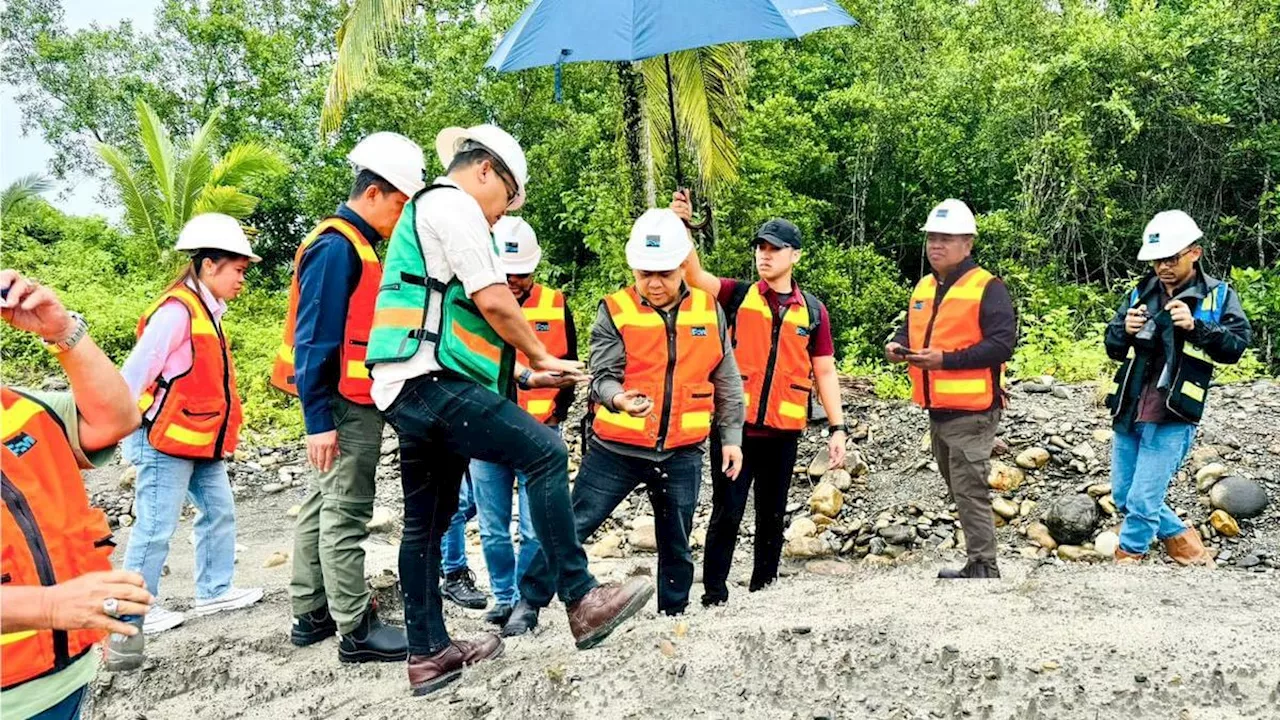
[782, 339]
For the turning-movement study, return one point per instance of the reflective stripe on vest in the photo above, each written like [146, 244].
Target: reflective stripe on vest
[50, 536]
[782, 361]
[544, 310]
[199, 416]
[354, 382]
[953, 324]
[673, 368]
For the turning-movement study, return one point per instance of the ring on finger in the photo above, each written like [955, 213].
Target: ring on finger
[111, 607]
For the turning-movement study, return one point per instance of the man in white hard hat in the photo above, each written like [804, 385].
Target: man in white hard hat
[445, 331]
[959, 333]
[486, 491]
[663, 370]
[336, 278]
[1167, 333]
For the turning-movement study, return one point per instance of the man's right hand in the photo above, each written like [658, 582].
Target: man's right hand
[680, 206]
[633, 403]
[322, 450]
[1135, 319]
[551, 363]
[77, 603]
[895, 353]
[29, 306]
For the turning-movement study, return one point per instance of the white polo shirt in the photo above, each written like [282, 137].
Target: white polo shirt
[456, 242]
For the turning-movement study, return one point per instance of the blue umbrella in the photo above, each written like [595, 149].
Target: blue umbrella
[553, 32]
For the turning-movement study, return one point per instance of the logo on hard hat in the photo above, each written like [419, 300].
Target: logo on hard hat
[941, 213]
[1153, 238]
[653, 241]
[513, 247]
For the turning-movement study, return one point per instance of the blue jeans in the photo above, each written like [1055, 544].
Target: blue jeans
[164, 481]
[1143, 463]
[68, 709]
[453, 546]
[605, 479]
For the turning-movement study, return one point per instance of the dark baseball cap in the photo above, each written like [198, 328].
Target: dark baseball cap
[778, 233]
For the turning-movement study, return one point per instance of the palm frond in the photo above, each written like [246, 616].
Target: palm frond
[246, 162]
[368, 30]
[709, 84]
[159, 147]
[142, 209]
[27, 186]
[226, 200]
[194, 171]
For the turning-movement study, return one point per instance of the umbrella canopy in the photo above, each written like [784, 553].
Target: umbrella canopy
[553, 31]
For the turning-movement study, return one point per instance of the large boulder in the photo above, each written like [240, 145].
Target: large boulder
[1071, 519]
[826, 500]
[1240, 497]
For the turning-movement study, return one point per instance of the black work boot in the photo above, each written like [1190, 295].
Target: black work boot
[499, 614]
[310, 628]
[459, 587]
[975, 570]
[524, 618]
[372, 641]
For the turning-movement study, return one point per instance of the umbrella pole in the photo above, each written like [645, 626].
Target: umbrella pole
[675, 132]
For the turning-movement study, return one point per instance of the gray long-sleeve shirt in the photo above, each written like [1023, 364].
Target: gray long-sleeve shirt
[608, 363]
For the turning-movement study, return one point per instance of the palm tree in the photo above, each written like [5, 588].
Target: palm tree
[27, 186]
[185, 179]
[708, 84]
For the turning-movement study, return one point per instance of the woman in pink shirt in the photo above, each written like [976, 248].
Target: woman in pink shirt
[182, 374]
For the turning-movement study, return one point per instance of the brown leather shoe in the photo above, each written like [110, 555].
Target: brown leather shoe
[430, 673]
[1127, 558]
[602, 610]
[1187, 549]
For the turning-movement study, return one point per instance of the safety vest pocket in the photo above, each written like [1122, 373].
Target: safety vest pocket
[697, 405]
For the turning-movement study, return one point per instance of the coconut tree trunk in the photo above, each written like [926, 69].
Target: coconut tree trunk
[633, 134]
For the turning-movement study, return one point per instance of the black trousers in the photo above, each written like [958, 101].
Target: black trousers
[768, 463]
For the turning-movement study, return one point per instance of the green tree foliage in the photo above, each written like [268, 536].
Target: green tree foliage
[27, 186]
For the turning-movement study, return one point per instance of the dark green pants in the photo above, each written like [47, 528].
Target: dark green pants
[962, 447]
[328, 562]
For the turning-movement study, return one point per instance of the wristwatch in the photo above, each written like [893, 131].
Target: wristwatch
[80, 329]
[843, 427]
[523, 380]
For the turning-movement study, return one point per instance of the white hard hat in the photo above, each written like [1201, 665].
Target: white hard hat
[393, 157]
[518, 245]
[659, 241]
[951, 217]
[1169, 233]
[215, 231]
[495, 140]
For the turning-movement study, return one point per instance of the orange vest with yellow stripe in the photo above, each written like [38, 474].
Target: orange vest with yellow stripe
[773, 358]
[671, 366]
[354, 382]
[199, 416]
[953, 324]
[544, 310]
[51, 534]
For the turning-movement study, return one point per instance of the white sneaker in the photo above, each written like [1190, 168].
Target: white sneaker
[159, 619]
[233, 599]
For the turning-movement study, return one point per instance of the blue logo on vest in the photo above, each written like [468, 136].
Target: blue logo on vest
[542, 327]
[653, 241]
[919, 305]
[802, 331]
[19, 444]
[698, 331]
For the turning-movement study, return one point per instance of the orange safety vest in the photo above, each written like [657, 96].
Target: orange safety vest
[953, 324]
[545, 312]
[199, 416]
[354, 382]
[51, 534]
[672, 367]
[773, 358]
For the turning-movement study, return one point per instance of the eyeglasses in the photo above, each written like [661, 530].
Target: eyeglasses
[1171, 260]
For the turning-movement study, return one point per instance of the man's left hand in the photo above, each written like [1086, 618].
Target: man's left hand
[732, 457]
[835, 449]
[556, 379]
[1181, 315]
[927, 359]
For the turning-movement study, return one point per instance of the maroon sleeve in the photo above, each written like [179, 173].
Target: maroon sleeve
[727, 286]
[823, 345]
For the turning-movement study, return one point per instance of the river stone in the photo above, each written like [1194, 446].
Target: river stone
[1004, 478]
[644, 538]
[826, 500]
[839, 478]
[1208, 475]
[898, 535]
[1224, 523]
[801, 527]
[1005, 508]
[1240, 497]
[1039, 534]
[1033, 458]
[1071, 518]
[1106, 543]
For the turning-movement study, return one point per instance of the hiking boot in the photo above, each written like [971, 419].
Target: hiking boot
[159, 619]
[602, 610]
[1186, 548]
[975, 570]
[372, 641]
[430, 673]
[499, 614]
[460, 587]
[126, 652]
[233, 599]
[1124, 557]
[310, 628]
[524, 618]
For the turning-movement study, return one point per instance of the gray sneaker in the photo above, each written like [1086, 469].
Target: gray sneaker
[124, 652]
